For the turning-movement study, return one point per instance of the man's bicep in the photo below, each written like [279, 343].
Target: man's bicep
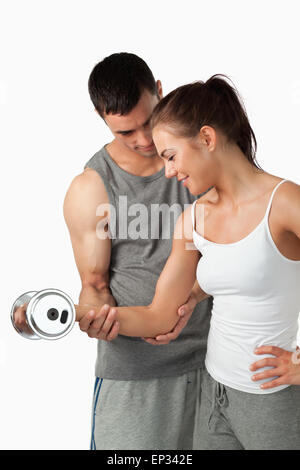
[88, 231]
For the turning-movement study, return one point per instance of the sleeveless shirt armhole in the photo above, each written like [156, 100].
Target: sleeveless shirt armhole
[271, 199]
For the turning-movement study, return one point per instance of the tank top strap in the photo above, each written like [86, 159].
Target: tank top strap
[271, 198]
[193, 214]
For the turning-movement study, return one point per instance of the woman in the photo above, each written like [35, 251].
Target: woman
[246, 229]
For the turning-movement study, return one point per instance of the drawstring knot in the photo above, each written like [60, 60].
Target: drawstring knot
[219, 400]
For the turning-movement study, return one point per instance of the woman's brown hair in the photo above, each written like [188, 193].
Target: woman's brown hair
[213, 103]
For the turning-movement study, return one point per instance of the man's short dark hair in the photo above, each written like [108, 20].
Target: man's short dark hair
[117, 82]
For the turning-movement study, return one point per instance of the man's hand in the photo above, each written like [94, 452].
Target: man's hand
[101, 324]
[20, 320]
[286, 367]
[184, 312]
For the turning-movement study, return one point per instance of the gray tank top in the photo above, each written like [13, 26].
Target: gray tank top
[145, 212]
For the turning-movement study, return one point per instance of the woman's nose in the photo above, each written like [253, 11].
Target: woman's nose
[170, 171]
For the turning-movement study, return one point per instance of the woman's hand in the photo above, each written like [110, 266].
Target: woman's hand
[100, 323]
[286, 367]
[185, 313]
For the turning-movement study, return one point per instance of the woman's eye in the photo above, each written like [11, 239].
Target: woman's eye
[171, 158]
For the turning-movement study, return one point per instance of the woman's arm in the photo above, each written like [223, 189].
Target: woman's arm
[286, 364]
[172, 289]
[291, 209]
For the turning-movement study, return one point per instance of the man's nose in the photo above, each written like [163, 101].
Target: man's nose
[144, 139]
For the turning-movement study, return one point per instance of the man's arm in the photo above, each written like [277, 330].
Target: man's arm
[91, 246]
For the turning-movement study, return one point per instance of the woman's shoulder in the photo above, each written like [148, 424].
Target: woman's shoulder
[289, 192]
[286, 206]
[285, 189]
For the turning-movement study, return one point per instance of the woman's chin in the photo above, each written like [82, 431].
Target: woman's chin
[194, 190]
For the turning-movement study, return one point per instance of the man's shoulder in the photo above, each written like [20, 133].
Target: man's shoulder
[86, 187]
[95, 161]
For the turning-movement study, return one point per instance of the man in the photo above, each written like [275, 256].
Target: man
[145, 397]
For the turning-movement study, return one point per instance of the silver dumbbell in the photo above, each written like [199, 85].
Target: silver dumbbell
[49, 314]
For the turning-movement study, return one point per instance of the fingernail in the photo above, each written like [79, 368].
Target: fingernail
[91, 313]
[182, 311]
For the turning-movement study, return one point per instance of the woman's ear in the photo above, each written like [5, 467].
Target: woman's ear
[208, 137]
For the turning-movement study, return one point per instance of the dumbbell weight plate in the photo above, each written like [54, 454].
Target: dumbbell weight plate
[50, 314]
[23, 330]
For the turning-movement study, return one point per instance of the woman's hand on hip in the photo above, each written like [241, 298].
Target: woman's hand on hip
[285, 367]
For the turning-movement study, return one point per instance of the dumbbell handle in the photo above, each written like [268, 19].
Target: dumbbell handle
[82, 310]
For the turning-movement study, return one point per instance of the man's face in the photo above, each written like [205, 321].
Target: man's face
[133, 130]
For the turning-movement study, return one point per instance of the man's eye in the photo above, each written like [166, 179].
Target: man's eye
[125, 133]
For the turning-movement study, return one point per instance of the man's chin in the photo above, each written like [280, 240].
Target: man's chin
[149, 154]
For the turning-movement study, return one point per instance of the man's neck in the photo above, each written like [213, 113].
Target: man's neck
[132, 162]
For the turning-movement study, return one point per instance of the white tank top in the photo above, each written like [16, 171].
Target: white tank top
[256, 302]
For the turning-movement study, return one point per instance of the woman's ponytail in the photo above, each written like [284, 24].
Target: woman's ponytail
[213, 103]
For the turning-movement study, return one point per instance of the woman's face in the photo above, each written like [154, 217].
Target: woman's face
[188, 159]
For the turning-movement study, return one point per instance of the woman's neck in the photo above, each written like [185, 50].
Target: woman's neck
[238, 179]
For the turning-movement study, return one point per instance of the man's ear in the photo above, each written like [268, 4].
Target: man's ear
[159, 89]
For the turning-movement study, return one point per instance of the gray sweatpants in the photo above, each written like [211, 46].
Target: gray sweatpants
[155, 414]
[228, 419]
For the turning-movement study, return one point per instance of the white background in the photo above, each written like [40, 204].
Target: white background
[49, 130]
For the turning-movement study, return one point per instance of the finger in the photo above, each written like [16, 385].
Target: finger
[172, 335]
[100, 317]
[20, 319]
[150, 341]
[154, 342]
[187, 308]
[107, 324]
[274, 383]
[276, 372]
[274, 350]
[20, 315]
[114, 331]
[177, 329]
[182, 310]
[165, 339]
[266, 362]
[86, 320]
